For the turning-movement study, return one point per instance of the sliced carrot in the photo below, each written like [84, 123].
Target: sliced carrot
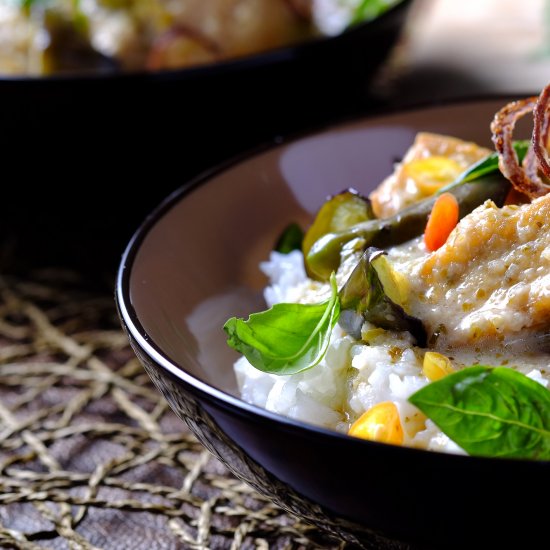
[443, 219]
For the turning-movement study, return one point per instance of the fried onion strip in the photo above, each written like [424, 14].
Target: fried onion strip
[502, 126]
[541, 126]
[529, 178]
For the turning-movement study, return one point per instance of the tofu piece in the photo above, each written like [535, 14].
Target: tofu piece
[490, 281]
[432, 161]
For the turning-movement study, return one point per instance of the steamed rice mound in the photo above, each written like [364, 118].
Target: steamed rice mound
[352, 377]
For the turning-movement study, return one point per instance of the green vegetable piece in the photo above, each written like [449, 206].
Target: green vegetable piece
[291, 239]
[287, 338]
[490, 164]
[338, 213]
[490, 411]
[25, 4]
[367, 10]
[479, 183]
[373, 293]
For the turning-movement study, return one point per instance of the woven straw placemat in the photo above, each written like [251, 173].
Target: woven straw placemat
[91, 456]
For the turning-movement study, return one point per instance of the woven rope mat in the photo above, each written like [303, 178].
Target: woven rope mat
[91, 456]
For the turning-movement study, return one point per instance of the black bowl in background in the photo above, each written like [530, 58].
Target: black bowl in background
[194, 263]
[85, 158]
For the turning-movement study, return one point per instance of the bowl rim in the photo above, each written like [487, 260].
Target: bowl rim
[271, 56]
[130, 321]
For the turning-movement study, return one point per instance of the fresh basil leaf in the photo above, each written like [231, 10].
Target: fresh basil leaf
[287, 338]
[367, 10]
[290, 239]
[487, 165]
[26, 4]
[373, 292]
[30, 3]
[490, 411]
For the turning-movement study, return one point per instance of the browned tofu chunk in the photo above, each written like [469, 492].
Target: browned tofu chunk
[491, 280]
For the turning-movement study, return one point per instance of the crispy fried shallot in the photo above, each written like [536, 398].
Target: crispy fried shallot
[540, 130]
[526, 178]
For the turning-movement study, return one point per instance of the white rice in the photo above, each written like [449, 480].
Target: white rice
[351, 378]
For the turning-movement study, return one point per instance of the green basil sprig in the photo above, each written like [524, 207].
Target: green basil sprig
[488, 165]
[290, 239]
[287, 338]
[367, 10]
[490, 411]
[26, 5]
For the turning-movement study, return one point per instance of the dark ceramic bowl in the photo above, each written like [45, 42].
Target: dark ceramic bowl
[76, 148]
[194, 263]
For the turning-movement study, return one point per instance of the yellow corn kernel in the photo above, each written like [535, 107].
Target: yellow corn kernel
[396, 285]
[371, 334]
[432, 173]
[436, 366]
[380, 423]
[403, 286]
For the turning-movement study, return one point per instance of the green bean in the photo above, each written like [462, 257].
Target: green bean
[324, 256]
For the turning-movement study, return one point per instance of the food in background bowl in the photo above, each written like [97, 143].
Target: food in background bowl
[428, 326]
[51, 36]
[95, 119]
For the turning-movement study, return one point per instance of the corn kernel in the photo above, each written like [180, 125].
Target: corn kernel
[436, 366]
[432, 173]
[380, 423]
[371, 334]
[395, 284]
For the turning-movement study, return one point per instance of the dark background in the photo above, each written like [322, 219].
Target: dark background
[86, 159]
